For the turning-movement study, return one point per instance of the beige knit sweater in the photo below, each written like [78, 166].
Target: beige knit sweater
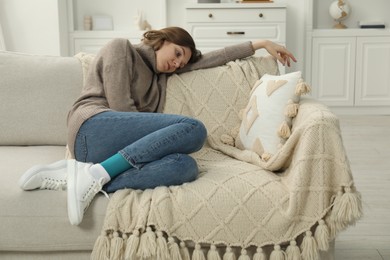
[123, 77]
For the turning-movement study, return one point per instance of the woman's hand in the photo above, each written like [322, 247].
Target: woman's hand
[278, 51]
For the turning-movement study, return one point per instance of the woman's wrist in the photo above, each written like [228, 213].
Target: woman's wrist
[259, 44]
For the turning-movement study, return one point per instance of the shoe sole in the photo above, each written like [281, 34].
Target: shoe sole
[73, 214]
[26, 178]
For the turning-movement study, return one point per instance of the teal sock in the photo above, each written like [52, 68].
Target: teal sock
[115, 165]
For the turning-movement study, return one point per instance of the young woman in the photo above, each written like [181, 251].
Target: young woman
[118, 136]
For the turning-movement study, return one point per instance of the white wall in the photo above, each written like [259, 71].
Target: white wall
[37, 26]
[33, 26]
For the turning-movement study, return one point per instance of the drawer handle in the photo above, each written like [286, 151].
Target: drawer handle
[235, 33]
[210, 15]
[261, 15]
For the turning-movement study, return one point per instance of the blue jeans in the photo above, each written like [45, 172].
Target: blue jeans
[156, 145]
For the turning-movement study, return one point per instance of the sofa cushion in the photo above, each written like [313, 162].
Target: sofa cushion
[38, 220]
[267, 119]
[36, 95]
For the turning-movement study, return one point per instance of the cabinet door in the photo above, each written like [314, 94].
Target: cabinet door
[373, 71]
[333, 70]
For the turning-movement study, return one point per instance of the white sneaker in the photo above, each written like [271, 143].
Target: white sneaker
[49, 177]
[82, 188]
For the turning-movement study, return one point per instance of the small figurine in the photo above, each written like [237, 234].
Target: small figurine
[142, 24]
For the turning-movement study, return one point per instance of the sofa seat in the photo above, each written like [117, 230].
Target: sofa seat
[37, 220]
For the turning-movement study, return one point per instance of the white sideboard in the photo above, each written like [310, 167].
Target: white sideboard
[214, 26]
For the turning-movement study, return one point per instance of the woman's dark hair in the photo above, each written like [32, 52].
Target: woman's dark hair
[176, 35]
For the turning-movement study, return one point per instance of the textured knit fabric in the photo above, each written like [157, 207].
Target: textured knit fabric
[124, 78]
[305, 192]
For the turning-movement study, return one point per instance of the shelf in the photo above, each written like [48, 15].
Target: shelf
[107, 34]
[276, 4]
[350, 32]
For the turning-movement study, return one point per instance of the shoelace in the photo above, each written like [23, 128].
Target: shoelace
[95, 188]
[53, 184]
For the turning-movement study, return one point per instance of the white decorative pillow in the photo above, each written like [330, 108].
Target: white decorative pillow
[267, 119]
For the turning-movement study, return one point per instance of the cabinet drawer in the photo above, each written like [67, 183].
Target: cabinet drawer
[272, 31]
[236, 15]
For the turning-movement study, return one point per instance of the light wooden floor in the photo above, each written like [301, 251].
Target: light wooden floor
[367, 141]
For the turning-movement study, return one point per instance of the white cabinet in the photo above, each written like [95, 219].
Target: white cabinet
[351, 71]
[122, 13]
[333, 74]
[373, 71]
[214, 26]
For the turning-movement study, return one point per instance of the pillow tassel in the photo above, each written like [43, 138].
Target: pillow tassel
[266, 156]
[291, 109]
[284, 130]
[302, 88]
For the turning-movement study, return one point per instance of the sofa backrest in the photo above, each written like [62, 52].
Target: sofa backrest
[36, 93]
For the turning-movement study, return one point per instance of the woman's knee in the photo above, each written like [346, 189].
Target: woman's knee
[199, 132]
[186, 166]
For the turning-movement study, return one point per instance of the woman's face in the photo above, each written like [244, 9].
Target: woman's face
[171, 57]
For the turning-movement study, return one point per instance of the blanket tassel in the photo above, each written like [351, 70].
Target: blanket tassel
[277, 253]
[348, 208]
[161, 247]
[198, 253]
[132, 246]
[309, 247]
[185, 254]
[116, 249]
[322, 236]
[293, 252]
[174, 249]
[244, 255]
[213, 254]
[229, 254]
[147, 245]
[259, 255]
[101, 248]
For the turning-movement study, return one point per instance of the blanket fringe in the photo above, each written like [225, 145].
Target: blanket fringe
[293, 252]
[132, 246]
[116, 250]
[244, 255]
[309, 247]
[101, 248]
[346, 209]
[198, 253]
[229, 254]
[259, 255]
[162, 251]
[213, 253]
[147, 246]
[174, 249]
[185, 254]
[277, 253]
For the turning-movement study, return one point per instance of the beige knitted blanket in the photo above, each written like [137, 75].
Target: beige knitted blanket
[296, 202]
